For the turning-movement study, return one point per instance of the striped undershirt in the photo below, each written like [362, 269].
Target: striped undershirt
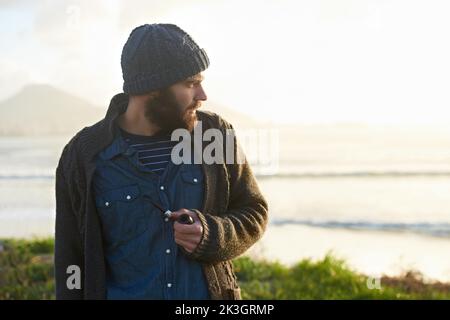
[153, 151]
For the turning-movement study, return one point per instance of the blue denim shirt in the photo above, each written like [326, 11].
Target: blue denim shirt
[142, 259]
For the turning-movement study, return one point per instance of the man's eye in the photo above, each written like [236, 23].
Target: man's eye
[191, 84]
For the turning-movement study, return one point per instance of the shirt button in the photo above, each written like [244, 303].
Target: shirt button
[195, 180]
[128, 197]
[166, 219]
[162, 187]
[168, 251]
[107, 204]
[169, 285]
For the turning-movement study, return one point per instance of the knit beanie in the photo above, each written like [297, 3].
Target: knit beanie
[157, 55]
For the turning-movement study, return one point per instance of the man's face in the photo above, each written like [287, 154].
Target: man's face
[175, 107]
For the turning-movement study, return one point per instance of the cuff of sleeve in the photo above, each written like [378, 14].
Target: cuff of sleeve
[201, 249]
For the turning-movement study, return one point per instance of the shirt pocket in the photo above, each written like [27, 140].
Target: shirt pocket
[191, 178]
[192, 186]
[122, 214]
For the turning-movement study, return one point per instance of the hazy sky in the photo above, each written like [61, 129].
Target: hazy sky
[288, 61]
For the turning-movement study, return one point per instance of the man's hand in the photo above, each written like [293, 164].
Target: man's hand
[187, 235]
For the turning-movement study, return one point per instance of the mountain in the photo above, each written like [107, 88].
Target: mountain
[45, 110]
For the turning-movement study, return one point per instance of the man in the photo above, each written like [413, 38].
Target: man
[115, 178]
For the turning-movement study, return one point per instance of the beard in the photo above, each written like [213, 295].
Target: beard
[165, 112]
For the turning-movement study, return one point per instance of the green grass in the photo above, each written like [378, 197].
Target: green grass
[26, 272]
[329, 278]
[26, 269]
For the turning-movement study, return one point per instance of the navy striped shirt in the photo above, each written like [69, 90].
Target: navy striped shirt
[153, 151]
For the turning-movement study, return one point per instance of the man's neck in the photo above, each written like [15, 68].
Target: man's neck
[134, 121]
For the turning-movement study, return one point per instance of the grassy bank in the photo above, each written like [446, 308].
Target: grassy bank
[26, 272]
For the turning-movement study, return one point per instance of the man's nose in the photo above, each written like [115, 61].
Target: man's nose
[200, 94]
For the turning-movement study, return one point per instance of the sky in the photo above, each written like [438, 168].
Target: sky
[315, 61]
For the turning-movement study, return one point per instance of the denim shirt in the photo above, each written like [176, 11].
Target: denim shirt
[142, 259]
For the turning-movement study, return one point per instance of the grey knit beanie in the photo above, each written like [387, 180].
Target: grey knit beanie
[157, 55]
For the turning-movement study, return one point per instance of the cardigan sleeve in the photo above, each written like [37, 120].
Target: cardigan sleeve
[230, 234]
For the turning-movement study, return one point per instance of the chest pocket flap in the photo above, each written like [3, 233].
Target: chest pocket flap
[191, 178]
[126, 194]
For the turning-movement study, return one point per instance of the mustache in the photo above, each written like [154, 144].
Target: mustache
[195, 106]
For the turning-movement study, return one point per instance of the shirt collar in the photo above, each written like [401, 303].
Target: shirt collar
[118, 146]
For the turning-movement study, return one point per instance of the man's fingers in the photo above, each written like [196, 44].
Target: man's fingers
[186, 237]
[186, 245]
[184, 242]
[195, 228]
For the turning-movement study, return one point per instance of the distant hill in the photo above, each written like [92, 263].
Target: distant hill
[45, 110]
